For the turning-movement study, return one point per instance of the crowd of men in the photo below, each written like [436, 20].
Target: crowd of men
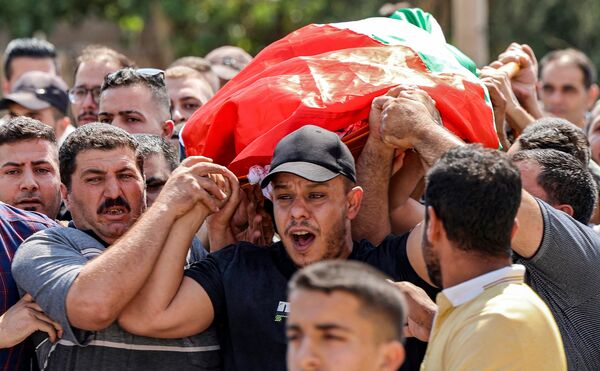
[119, 253]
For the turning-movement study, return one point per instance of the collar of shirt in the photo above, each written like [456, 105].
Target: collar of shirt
[469, 290]
[90, 233]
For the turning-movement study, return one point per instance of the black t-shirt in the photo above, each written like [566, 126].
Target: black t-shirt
[247, 285]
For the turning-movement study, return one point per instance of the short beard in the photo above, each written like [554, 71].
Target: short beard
[335, 241]
[432, 261]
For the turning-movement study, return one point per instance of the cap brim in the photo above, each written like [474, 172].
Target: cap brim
[306, 170]
[25, 99]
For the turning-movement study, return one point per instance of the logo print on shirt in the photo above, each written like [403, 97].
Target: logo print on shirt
[283, 308]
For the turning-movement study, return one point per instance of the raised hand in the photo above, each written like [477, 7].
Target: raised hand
[524, 83]
[406, 117]
[196, 180]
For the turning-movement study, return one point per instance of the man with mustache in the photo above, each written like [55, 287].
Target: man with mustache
[84, 275]
[29, 177]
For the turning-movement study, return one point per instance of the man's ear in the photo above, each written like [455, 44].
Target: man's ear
[63, 123]
[65, 195]
[167, 129]
[354, 199]
[435, 227]
[592, 95]
[393, 356]
[565, 208]
[515, 228]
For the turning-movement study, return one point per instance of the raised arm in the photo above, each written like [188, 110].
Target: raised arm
[107, 283]
[170, 305]
[431, 141]
[524, 83]
[373, 170]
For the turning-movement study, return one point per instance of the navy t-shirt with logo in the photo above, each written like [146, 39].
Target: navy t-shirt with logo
[247, 285]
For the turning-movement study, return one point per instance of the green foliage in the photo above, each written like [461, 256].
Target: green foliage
[545, 25]
[197, 26]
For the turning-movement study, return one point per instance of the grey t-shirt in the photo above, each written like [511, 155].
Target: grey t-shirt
[565, 273]
[46, 265]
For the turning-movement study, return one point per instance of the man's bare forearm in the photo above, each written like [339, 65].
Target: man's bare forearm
[163, 283]
[432, 143]
[374, 169]
[107, 283]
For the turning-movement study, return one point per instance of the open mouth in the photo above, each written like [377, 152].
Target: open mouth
[114, 212]
[302, 240]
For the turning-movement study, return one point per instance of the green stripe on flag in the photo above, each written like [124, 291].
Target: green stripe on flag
[425, 21]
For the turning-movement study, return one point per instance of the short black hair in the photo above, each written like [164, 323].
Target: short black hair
[564, 179]
[476, 193]
[20, 128]
[27, 47]
[149, 144]
[94, 136]
[573, 56]
[556, 133]
[378, 298]
[131, 77]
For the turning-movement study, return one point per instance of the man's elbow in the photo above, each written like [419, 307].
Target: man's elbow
[136, 324]
[90, 315]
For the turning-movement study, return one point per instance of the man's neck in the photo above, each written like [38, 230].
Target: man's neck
[466, 266]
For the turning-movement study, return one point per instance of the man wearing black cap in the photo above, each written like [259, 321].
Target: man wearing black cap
[243, 286]
[41, 96]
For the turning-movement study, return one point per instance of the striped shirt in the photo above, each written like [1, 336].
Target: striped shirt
[46, 266]
[564, 273]
[15, 226]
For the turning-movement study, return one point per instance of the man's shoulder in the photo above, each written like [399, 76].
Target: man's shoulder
[11, 214]
[392, 245]
[59, 233]
[511, 306]
[245, 249]
[48, 243]
[515, 297]
[557, 222]
[241, 257]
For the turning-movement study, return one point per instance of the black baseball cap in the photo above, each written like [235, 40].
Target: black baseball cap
[37, 90]
[313, 153]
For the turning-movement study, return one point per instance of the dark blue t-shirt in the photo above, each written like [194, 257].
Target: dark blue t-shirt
[247, 285]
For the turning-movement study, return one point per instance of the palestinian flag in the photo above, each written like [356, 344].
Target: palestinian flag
[327, 75]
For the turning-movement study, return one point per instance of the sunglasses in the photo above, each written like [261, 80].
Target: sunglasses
[153, 73]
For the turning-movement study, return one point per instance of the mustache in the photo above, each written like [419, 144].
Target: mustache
[87, 113]
[110, 202]
[27, 195]
[302, 223]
